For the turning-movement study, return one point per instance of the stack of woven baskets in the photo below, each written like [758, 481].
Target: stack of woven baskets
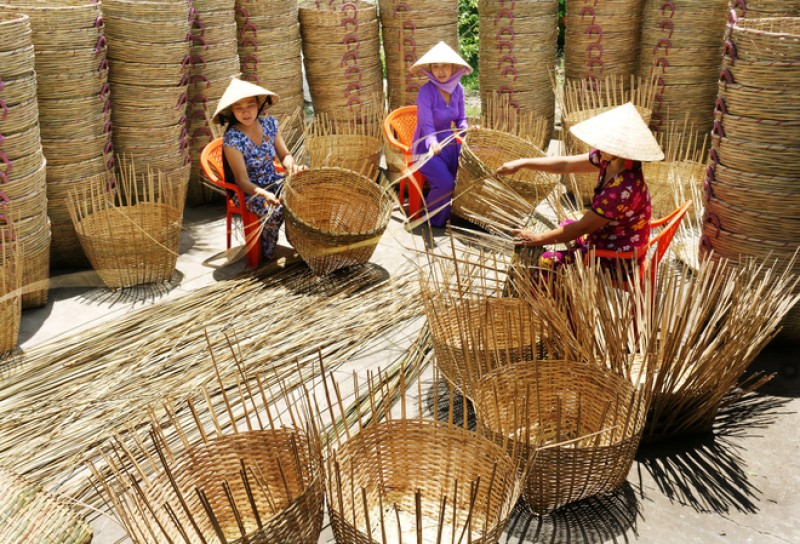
[341, 53]
[766, 8]
[74, 105]
[22, 164]
[33, 515]
[518, 52]
[215, 60]
[148, 55]
[681, 46]
[602, 38]
[263, 26]
[411, 28]
[752, 203]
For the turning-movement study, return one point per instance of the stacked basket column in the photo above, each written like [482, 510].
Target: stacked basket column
[681, 45]
[602, 38]
[215, 60]
[751, 198]
[148, 56]
[22, 164]
[74, 106]
[409, 30]
[265, 25]
[341, 53]
[518, 52]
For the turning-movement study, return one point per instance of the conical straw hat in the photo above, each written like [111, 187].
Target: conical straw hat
[621, 132]
[238, 89]
[440, 53]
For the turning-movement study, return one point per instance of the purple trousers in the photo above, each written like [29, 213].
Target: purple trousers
[440, 173]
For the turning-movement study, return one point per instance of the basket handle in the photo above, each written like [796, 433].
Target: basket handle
[710, 175]
[505, 12]
[2, 84]
[250, 42]
[714, 157]
[412, 88]
[506, 89]
[201, 77]
[355, 99]
[110, 163]
[713, 218]
[193, 13]
[195, 38]
[199, 25]
[510, 70]
[4, 177]
[705, 243]
[100, 44]
[505, 43]
[708, 188]
[182, 120]
[195, 59]
[353, 85]
[718, 130]
[98, 21]
[511, 59]
[350, 5]
[105, 89]
[513, 3]
[590, 11]
[351, 39]
[730, 50]
[352, 55]
[5, 109]
[740, 4]
[103, 65]
[409, 40]
[202, 130]
[250, 58]
[667, 23]
[727, 76]
[252, 77]
[661, 43]
[401, 6]
[594, 61]
[668, 4]
[350, 70]
[107, 106]
[594, 30]
[506, 30]
[108, 148]
[245, 26]
[659, 81]
[187, 60]
[184, 80]
[8, 162]
[182, 100]
[347, 21]
[239, 10]
[591, 47]
[199, 98]
[720, 106]
[663, 62]
[410, 25]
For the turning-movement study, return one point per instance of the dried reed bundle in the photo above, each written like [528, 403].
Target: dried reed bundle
[407, 477]
[113, 371]
[334, 217]
[10, 283]
[32, 515]
[130, 233]
[240, 468]
[583, 99]
[346, 139]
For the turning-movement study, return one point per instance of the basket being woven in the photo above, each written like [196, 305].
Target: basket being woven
[482, 152]
[586, 421]
[334, 217]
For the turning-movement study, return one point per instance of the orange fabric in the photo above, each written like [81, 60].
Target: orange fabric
[399, 127]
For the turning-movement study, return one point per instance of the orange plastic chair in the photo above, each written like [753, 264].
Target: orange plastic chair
[211, 162]
[661, 241]
[399, 127]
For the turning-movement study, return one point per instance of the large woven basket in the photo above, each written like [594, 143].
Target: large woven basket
[334, 217]
[586, 420]
[32, 515]
[419, 480]
[130, 237]
[484, 151]
[10, 278]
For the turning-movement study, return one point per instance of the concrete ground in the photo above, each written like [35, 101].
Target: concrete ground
[738, 485]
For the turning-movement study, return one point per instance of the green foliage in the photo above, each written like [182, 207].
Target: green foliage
[468, 33]
[562, 12]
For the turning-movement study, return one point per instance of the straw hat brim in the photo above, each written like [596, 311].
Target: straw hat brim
[620, 132]
[441, 53]
[237, 90]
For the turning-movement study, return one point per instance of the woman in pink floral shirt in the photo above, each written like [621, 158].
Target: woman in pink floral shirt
[619, 216]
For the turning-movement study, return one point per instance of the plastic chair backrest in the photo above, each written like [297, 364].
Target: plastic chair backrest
[211, 161]
[399, 127]
[663, 239]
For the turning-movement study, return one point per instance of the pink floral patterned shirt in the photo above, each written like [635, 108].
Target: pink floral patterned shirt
[624, 200]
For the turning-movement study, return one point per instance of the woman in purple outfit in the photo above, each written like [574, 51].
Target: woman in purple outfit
[440, 113]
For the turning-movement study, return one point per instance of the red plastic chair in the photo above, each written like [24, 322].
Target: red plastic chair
[211, 162]
[661, 241]
[399, 127]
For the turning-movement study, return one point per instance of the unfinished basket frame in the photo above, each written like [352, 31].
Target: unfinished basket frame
[130, 232]
[223, 467]
[334, 217]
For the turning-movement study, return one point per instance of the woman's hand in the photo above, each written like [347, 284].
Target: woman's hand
[526, 238]
[291, 166]
[271, 199]
[435, 148]
[510, 167]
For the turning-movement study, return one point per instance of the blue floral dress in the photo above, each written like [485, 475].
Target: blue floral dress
[261, 171]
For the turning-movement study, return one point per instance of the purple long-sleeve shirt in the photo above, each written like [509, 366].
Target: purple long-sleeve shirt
[435, 117]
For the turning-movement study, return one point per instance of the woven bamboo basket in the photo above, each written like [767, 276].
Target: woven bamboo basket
[83, 149]
[767, 39]
[130, 237]
[151, 29]
[21, 187]
[359, 153]
[394, 477]
[763, 131]
[407, 34]
[36, 266]
[757, 157]
[147, 9]
[172, 53]
[18, 90]
[766, 8]
[23, 166]
[734, 246]
[740, 219]
[14, 30]
[55, 16]
[484, 151]
[73, 85]
[588, 419]
[771, 73]
[145, 74]
[259, 481]
[10, 283]
[79, 61]
[17, 62]
[758, 199]
[32, 515]
[776, 104]
[77, 171]
[334, 217]
[21, 144]
[67, 38]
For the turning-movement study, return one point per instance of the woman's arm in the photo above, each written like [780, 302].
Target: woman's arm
[425, 118]
[286, 158]
[569, 164]
[239, 169]
[587, 224]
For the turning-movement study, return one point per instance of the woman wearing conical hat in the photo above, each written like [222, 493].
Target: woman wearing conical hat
[440, 112]
[619, 216]
[252, 140]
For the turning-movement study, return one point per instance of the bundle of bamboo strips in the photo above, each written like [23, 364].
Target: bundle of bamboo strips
[59, 396]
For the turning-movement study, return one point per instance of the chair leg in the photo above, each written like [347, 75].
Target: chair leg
[228, 224]
[252, 239]
[415, 195]
[402, 191]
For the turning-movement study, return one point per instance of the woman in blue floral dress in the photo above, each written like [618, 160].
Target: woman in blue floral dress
[250, 145]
